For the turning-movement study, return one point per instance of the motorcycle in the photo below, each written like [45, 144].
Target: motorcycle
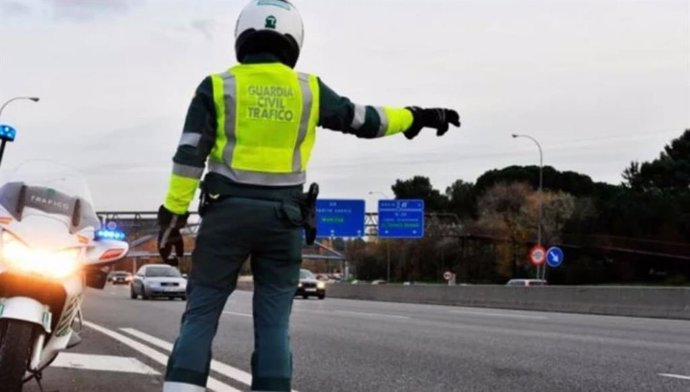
[50, 250]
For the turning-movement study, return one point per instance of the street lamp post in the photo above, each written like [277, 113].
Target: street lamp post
[388, 243]
[34, 99]
[541, 195]
[4, 105]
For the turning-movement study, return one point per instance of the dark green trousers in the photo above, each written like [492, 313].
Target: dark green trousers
[233, 230]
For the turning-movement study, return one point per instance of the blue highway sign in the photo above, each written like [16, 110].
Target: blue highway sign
[340, 218]
[401, 218]
[554, 257]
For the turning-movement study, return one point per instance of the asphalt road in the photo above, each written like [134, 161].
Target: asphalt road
[343, 345]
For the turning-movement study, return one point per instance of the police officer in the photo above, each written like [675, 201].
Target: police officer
[253, 127]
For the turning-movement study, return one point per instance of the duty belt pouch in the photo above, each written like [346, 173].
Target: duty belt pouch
[309, 213]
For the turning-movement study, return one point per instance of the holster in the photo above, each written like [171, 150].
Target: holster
[204, 200]
[308, 206]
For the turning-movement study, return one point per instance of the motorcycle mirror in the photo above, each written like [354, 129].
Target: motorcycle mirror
[95, 278]
[76, 213]
[21, 202]
[106, 252]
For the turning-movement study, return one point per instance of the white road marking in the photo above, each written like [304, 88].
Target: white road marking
[678, 376]
[226, 370]
[506, 315]
[104, 363]
[375, 315]
[217, 366]
[237, 314]
[212, 384]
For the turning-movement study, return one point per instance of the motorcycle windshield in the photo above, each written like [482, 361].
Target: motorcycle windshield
[47, 188]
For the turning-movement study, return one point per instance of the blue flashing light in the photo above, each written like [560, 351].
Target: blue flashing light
[7, 133]
[110, 235]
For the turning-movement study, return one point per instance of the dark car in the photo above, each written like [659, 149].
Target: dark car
[121, 277]
[526, 282]
[309, 286]
[159, 280]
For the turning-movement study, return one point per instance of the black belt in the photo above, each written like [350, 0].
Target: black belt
[215, 189]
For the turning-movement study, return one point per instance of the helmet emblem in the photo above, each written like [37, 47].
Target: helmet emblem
[271, 22]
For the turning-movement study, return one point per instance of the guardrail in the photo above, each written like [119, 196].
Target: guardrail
[653, 302]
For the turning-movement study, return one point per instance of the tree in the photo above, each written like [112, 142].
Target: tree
[512, 210]
[655, 203]
[570, 182]
[669, 172]
[420, 187]
[503, 212]
[462, 199]
[631, 176]
[558, 209]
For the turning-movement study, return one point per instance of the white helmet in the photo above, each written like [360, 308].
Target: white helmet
[273, 26]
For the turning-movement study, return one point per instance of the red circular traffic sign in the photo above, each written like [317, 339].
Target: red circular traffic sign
[537, 255]
[448, 275]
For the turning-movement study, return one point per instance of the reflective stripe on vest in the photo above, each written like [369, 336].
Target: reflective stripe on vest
[267, 118]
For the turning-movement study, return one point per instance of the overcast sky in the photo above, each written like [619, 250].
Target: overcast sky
[599, 83]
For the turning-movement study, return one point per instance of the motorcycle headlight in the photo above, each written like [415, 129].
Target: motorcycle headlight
[321, 285]
[20, 257]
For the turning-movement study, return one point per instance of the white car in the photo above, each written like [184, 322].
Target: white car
[158, 280]
[526, 282]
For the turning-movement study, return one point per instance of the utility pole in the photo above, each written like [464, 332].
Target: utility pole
[541, 196]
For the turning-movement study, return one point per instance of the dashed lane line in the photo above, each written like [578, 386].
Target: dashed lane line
[349, 313]
[495, 314]
[400, 317]
[237, 314]
[676, 376]
[213, 384]
[374, 315]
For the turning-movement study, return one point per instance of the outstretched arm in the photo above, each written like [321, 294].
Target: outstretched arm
[340, 114]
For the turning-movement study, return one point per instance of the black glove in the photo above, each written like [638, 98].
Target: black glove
[169, 236]
[437, 118]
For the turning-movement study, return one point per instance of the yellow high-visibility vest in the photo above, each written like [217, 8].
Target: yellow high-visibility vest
[267, 119]
[267, 116]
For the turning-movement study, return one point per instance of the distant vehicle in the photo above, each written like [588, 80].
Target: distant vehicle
[120, 277]
[378, 282]
[158, 280]
[309, 286]
[329, 278]
[526, 282]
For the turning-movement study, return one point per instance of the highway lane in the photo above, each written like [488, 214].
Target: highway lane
[343, 345]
